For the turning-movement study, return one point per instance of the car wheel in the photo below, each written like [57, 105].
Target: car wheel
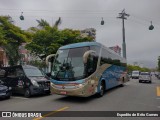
[8, 95]
[102, 89]
[139, 81]
[27, 93]
[48, 92]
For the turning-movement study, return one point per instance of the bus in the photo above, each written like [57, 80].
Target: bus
[86, 68]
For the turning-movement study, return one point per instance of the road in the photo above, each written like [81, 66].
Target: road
[134, 96]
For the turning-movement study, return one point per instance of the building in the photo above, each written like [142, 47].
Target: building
[3, 58]
[91, 32]
[25, 56]
[116, 49]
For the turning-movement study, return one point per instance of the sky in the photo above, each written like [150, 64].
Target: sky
[142, 44]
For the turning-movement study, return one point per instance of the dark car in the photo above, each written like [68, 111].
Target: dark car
[27, 80]
[5, 91]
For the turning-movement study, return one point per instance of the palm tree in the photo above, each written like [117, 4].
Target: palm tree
[43, 23]
[58, 22]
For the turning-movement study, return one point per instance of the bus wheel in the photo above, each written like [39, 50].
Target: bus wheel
[102, 89]
[27, 93]
[122, 84]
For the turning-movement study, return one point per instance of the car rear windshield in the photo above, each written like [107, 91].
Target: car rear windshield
[144, 73]
[135, 72]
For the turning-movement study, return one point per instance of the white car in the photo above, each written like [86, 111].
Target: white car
[135, 74]
[145, 77]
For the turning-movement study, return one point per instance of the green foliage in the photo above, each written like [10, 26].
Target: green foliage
[39, 64]
[58, 22]
[2, 37]
[11, 38]
[12, 53]
[70, 36]
[49, 39]
[43, 39]
[42, 23]
[132, 68]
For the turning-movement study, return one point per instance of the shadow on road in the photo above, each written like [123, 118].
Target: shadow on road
[2, 99]
[33, 96]
[72, 99]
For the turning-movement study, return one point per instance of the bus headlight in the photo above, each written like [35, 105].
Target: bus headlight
[80, 85]
[34, 83]
[92, 81]
[51, 84]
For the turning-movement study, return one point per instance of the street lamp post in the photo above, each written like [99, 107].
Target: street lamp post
[123, 16]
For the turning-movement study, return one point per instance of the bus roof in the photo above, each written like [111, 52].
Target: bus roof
[82, 44]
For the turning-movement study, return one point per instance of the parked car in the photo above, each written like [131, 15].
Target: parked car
[27, 80]
[5, 91]
[157, 74]
[135, 74]
[145, 77]
[129, 75]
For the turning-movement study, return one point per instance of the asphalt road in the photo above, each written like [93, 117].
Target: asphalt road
[134, 96]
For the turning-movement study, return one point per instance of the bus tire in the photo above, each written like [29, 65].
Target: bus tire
[102, 89]
[122, 84]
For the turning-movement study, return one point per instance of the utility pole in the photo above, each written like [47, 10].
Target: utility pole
[123, 16]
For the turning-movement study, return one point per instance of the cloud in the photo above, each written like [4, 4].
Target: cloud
[142, 44]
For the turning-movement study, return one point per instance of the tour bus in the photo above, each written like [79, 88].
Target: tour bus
[87, 68]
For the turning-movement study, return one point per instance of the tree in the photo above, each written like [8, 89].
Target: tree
[2, 37]
[132, 68]
[42, 23]
[11, 38]
[47, 40]
[58, 22]
[69, 36]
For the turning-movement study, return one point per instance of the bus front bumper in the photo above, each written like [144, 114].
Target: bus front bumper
[81, 91]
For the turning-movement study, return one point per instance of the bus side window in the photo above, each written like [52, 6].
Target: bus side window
[92, 64]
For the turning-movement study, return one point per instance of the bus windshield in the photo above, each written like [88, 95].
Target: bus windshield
[68, 64]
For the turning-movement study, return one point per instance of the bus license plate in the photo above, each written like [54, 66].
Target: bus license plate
[63, 92]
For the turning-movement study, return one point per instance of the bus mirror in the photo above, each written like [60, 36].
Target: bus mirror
[86, 54]
[48, 57]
